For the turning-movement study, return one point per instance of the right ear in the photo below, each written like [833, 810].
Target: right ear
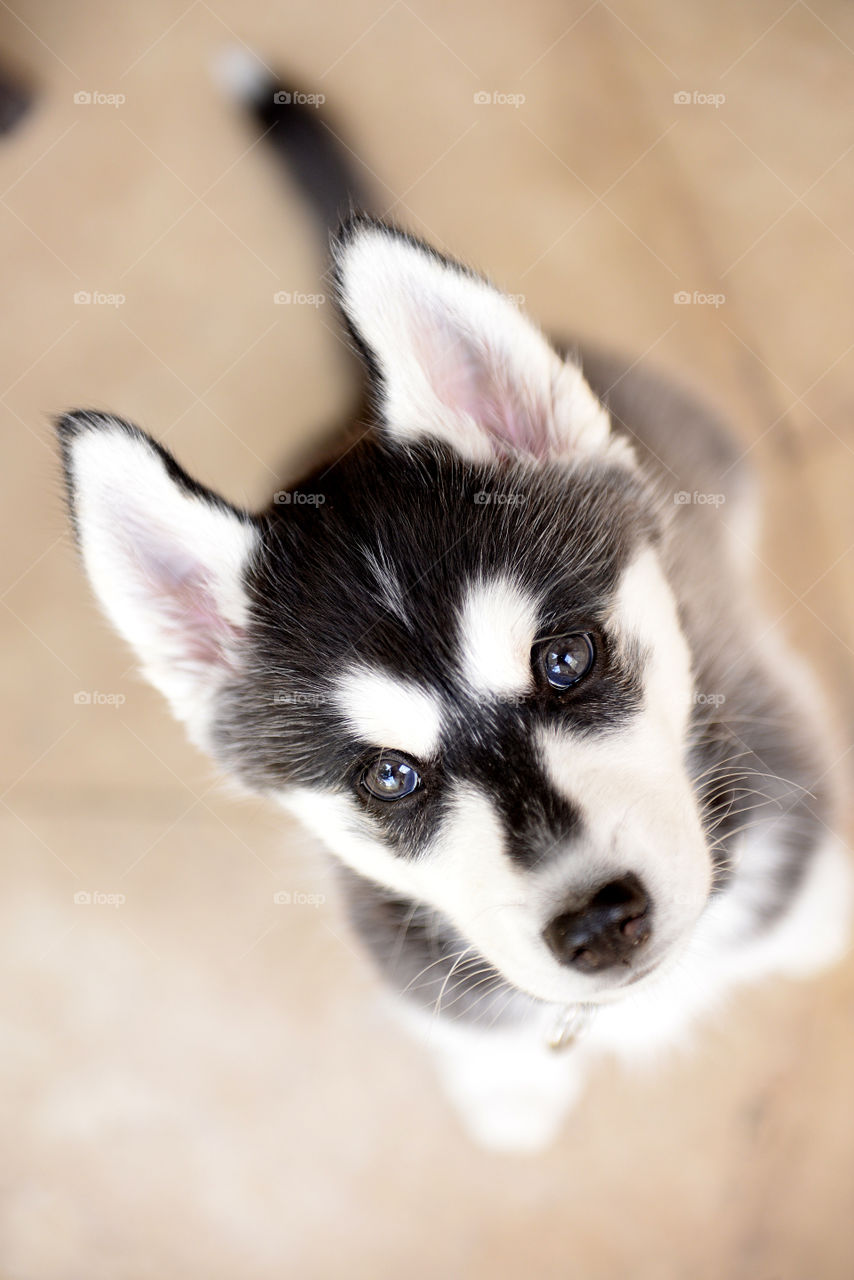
[455, 360]
[167, 559]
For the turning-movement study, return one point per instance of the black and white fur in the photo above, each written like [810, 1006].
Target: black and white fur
[496, 492]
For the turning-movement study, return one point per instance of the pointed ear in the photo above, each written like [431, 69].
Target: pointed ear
[456, 360]
[165, 557]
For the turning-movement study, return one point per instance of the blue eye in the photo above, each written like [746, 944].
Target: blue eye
[390, 777]
[567, 659]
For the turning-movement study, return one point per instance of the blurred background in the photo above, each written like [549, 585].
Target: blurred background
[198, 1079]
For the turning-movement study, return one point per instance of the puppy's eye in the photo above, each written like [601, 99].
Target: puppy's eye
[567, 659]
[390, 777]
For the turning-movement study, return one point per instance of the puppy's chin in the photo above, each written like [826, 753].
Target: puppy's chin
[643, 977]
[618, 987]
[633, 981]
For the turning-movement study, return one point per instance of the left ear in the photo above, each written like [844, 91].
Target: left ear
[166, 557]
[457, 360]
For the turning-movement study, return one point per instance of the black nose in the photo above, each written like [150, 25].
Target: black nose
[604, 932]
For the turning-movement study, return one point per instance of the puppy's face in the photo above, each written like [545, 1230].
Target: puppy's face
[454, 653]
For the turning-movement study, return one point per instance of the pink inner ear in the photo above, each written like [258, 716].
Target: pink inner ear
[512, 426]
[184, 601]
[206, 636]
[469, 379]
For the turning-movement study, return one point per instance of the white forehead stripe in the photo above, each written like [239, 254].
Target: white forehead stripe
[390, 712]
[498, 624]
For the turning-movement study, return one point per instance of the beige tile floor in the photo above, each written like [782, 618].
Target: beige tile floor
[202, 1083]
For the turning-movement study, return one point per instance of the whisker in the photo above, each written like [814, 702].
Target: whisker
[438, 1004]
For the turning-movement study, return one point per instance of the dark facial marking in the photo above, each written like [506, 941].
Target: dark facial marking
[565, 539]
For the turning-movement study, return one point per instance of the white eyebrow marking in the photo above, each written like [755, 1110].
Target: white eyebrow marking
[389, 588]
[498, 624]
[390, 712]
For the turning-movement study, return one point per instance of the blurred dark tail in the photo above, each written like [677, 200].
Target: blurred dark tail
[295, 125]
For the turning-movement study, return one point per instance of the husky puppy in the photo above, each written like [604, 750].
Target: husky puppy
[501, 653]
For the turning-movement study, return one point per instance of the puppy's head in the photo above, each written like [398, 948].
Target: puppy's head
[454, 652]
